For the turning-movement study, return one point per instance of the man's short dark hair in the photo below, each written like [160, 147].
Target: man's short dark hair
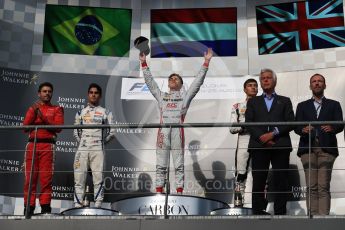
[94, 85]
[317, 74]
[48, 84]
[177, 75]
[250, 80]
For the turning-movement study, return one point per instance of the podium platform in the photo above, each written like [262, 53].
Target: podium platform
[232, 212]
[173, 223]
[177, 205]
[87, 211]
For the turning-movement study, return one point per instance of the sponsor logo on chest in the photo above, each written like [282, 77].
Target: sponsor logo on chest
[95, 118]
[171, 105]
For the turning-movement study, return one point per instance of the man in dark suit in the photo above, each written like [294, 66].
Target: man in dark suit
[324, 148]
[269, 144]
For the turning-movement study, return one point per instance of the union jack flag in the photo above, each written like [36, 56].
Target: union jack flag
[299, 26]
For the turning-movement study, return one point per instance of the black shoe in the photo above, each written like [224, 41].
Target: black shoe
[31, 211]
[46, 209]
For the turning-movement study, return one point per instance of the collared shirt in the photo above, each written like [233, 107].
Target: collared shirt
[269, 100]
[318, 105]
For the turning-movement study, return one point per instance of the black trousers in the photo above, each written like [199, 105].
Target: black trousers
[261, 160]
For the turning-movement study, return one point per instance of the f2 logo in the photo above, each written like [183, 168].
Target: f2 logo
[139, 87]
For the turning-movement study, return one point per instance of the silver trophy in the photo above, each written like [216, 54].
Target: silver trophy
[142, 44]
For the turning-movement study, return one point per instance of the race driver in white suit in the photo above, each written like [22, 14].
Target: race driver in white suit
[90, 153]
[173, 106]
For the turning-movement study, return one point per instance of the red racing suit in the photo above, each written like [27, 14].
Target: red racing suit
[41, 114]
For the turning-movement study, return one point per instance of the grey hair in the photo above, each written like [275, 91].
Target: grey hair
[274, 75]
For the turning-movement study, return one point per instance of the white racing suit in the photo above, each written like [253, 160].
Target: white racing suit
[242, 157]
[173, 107]
[90, 153]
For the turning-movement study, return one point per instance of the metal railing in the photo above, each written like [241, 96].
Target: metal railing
[166, 125]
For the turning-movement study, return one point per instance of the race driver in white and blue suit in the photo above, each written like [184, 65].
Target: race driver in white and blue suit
[90, 153]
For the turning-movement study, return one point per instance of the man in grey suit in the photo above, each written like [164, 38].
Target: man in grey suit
[269, 144]
[323, 142]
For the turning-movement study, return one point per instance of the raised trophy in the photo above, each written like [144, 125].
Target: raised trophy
[142, 44]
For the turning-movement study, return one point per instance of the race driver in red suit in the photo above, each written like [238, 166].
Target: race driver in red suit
[41, 113]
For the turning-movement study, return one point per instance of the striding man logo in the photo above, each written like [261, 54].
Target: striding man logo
[34, 79]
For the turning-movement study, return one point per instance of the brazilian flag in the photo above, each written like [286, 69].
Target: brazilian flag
[87, 30]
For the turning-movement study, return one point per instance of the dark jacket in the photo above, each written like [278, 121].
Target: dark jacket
[281, 110]
[330, 111]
